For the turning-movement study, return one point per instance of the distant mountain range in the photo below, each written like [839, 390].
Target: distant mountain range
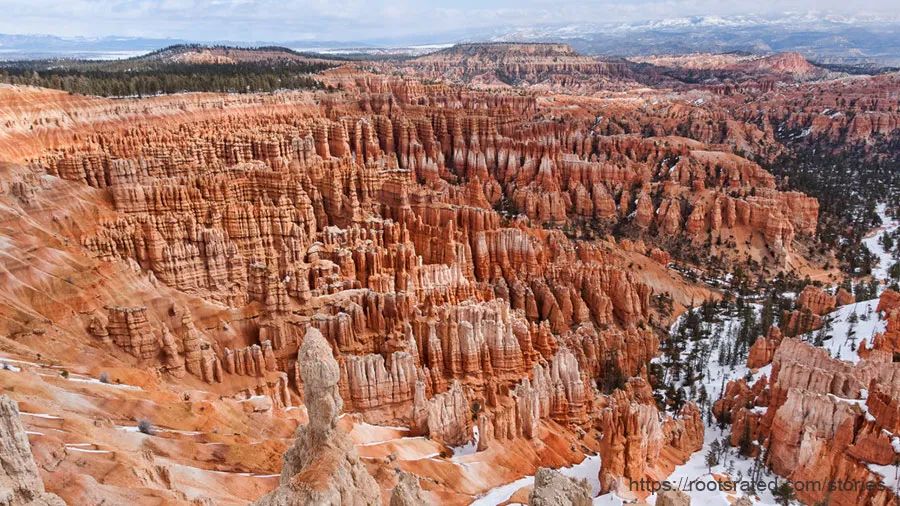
[51, 46]
[826, 39]
[13, 47]
[822, 39]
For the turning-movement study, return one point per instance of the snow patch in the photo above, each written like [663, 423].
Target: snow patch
[467, 449]
[885, 258]
[890, 475]
[9, 367]
[45, 416]
[851, 325]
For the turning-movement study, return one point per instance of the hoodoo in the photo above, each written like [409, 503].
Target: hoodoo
[322, 466]
[491, 273]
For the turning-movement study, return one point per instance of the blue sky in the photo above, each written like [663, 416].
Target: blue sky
[272, 20]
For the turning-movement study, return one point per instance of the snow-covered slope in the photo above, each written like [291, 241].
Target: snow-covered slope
[872, 241]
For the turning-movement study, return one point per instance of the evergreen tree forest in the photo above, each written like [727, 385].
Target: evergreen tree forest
[848, 182]
[149, 75]
[710, 338]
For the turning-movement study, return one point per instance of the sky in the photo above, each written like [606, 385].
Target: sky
[358, 20]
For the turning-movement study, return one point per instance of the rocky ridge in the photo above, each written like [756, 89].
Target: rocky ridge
[20, 482]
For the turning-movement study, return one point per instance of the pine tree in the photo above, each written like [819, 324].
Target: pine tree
[745, 444]
[784, 493]
[712, 458]
[821, 336]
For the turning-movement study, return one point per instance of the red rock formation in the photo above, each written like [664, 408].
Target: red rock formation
[888, 302]
[889, 340]
[637, 444]
[843, 297]
[816, 300]
[129, 329]
[812, 303]
[451, 245]
[820, 419]
[763, 350]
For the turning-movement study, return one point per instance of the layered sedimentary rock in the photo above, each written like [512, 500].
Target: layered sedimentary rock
[763, 349]
[638, 443]
[844, 297]
[322, 467]
[554, 66]
[20, 482]
[820, 419]
[129, 328]
[812, 303]
[816, 300]
[454, 247]
[352, 226]
[448, 416]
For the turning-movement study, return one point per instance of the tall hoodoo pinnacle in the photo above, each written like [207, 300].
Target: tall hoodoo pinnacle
[321, 374]
[322, 467]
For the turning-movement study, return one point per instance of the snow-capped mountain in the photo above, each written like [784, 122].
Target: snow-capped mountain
[825, 38]
[821, 37]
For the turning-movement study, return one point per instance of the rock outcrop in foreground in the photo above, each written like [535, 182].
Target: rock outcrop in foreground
[322, 467]
[407, 492]
[20, 483]
[551, 488]
[673, 498]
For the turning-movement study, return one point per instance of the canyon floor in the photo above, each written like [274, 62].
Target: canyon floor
[429, 278]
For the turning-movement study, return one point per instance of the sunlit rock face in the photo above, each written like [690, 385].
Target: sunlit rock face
[819, 418]
[460, 260]
[322, 466]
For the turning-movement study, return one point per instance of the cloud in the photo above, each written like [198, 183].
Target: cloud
[271, 20]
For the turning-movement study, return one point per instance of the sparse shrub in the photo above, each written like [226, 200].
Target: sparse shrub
[64, 374]
[104, 377]
[146, 427]
[476, 408]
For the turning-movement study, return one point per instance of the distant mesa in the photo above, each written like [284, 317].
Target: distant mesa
[533, 49]
[218, 54]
